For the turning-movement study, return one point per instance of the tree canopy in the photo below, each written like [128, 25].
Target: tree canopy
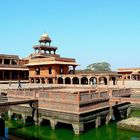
[100, 66]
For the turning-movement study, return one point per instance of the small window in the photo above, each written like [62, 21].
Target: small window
[7, 61]
[37, 70]
[50, 70]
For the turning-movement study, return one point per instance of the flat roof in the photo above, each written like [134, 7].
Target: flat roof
[50, 63]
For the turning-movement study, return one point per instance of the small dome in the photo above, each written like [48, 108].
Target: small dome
[44, 35]
[45, 38]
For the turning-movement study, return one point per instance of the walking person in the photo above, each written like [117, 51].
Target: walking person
[19, 84]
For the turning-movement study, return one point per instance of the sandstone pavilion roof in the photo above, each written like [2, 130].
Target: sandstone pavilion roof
[45, 54]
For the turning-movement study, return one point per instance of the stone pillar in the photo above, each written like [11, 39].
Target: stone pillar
[3, 61]
[89, 81]
[46, 81]
[107, 119]
[108, 82]
[30, 80]
[71, 81]
[128, 111]
[38, 120]
[40, 79]
[10, 61]
[54, 81]
[9, 114]
[79, 81]
[98, 82]
[53, 123]
[98, 121]
[34, 80]
[78, 128]
[23, 118]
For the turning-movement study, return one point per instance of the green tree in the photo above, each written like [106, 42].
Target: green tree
[100, 66]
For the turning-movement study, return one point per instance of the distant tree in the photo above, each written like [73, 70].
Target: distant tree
[100, 66]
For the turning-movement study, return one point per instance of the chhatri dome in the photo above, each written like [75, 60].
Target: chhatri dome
[45, 38]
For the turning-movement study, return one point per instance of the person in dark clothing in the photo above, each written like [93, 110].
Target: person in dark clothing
[116, 112]
[19, 84]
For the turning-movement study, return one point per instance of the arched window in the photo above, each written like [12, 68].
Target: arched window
[67, 80]
[84, 80]
[75, 80]
[60, 80]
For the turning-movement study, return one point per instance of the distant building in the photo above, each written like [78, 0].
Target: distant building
[129, 73]
[13, 68]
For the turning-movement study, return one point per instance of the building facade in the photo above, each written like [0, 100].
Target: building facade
[129, 73]
[13, 68]
[45, 66]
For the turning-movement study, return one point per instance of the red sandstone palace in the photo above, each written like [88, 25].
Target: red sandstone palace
[44, 65]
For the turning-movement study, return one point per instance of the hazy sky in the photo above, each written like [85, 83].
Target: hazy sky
[88, 30]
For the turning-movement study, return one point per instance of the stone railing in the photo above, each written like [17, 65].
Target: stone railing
[120, 92]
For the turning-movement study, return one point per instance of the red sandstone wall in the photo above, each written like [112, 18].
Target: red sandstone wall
[44, 70]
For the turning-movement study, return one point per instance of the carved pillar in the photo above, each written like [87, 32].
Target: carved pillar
[77, 128]
[53, 123]
[98, 121]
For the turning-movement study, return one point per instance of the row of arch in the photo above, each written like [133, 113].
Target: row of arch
[86, 81]
[76, 80]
